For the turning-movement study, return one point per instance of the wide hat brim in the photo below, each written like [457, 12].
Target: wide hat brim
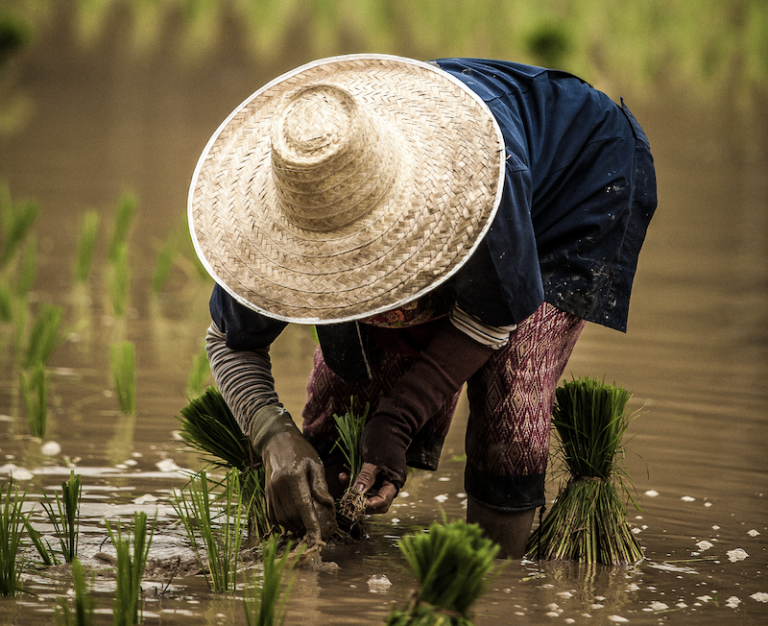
[443, 197]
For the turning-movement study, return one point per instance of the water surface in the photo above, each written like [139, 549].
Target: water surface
[695, 356]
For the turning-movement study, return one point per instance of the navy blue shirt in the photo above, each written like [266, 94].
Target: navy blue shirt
[579, 193]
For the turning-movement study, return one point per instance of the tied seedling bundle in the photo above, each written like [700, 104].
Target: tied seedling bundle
[588, 520]
[452, 563]
[209, 426]
[350, 512]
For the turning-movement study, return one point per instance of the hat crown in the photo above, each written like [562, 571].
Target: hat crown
[332, 158]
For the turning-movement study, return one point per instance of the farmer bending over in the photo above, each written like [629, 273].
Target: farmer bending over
[440, 223]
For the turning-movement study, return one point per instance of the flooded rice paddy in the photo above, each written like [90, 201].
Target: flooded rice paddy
[695, 358]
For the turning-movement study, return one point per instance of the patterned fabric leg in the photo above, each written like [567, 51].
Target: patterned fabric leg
[327, 395]
[510, 404]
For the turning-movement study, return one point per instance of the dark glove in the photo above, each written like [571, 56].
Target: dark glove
[297, 494]
[448, 361]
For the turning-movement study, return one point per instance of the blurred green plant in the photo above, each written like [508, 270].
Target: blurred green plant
[123, 364]
[199, 374]
[118, 280]
[86, 246]
[125, 212]
[16, 221]
[265, 602]
[85, 604]
[44, 336]
[628, 43]
[34, 383]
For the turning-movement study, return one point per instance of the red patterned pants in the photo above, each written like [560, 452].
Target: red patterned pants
[510, 408]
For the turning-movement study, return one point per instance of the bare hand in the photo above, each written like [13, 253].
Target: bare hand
[379, 491]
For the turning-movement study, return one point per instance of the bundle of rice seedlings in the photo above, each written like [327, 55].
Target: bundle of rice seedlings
[588, 520]
[209, 426]
[350, 512]
[452, 564]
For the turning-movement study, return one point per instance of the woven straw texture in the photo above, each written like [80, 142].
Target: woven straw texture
[345, 188]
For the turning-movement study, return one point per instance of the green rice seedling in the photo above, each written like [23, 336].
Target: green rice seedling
[452, 563]
[6, 303]
[44, 549]
[588, 520]
[163, 264]
[28, 269]
[12, 524]
[127, 604]
[87, 239]
[118, 282]
[351, 509]
[123, 364]
[34, 384]
[209, 427]
[85, 604]
[65, 518]
[198, 374]
[16, 221]
[45, 335]
[219, 526]
[124, 216]
[265, 603]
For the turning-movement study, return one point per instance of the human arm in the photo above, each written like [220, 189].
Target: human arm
[297, 495]
[458, 349]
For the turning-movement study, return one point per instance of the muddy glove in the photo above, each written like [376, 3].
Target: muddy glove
[449, 360]
[297, 495]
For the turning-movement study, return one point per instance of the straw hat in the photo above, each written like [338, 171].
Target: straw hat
[346, 187]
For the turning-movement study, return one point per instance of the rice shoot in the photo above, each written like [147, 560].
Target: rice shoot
[84, 611]
[127, 603]
[351, 508]
[452, 563]
[13, 520]
[265, 603]
[65, 518]
[588, 520]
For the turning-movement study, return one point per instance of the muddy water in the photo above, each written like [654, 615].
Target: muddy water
[695, 357]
